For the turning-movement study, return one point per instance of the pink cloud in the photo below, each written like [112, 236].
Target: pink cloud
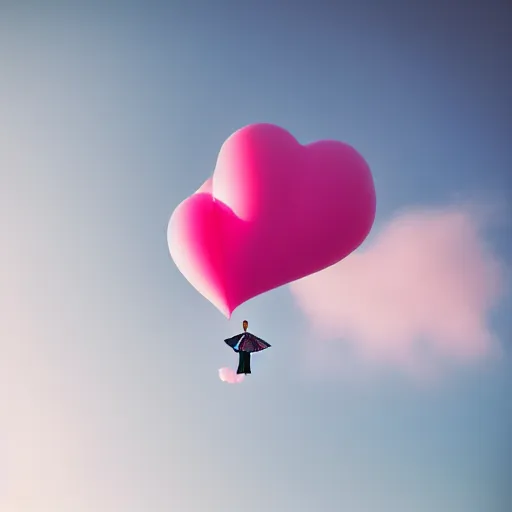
[421, 292]
[230, 376]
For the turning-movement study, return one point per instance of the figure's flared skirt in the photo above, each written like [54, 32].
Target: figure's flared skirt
[244, 363]
[246, 342]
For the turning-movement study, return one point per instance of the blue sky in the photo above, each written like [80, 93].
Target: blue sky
[111, 113]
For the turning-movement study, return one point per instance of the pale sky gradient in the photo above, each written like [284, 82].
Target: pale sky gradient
[110, 114]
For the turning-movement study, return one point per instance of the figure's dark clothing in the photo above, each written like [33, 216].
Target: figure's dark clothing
[246, 343]
[244, 362]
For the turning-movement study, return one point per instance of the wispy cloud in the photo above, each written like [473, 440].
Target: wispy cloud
[422, 292]
[230, 376]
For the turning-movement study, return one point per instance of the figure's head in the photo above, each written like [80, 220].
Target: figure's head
[245, 324]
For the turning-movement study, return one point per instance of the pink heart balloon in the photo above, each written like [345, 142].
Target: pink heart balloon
[275, 211]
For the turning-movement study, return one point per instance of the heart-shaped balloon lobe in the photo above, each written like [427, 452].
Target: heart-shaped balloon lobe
[275, 211]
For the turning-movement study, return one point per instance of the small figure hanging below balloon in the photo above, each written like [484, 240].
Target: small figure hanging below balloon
[245, 343]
